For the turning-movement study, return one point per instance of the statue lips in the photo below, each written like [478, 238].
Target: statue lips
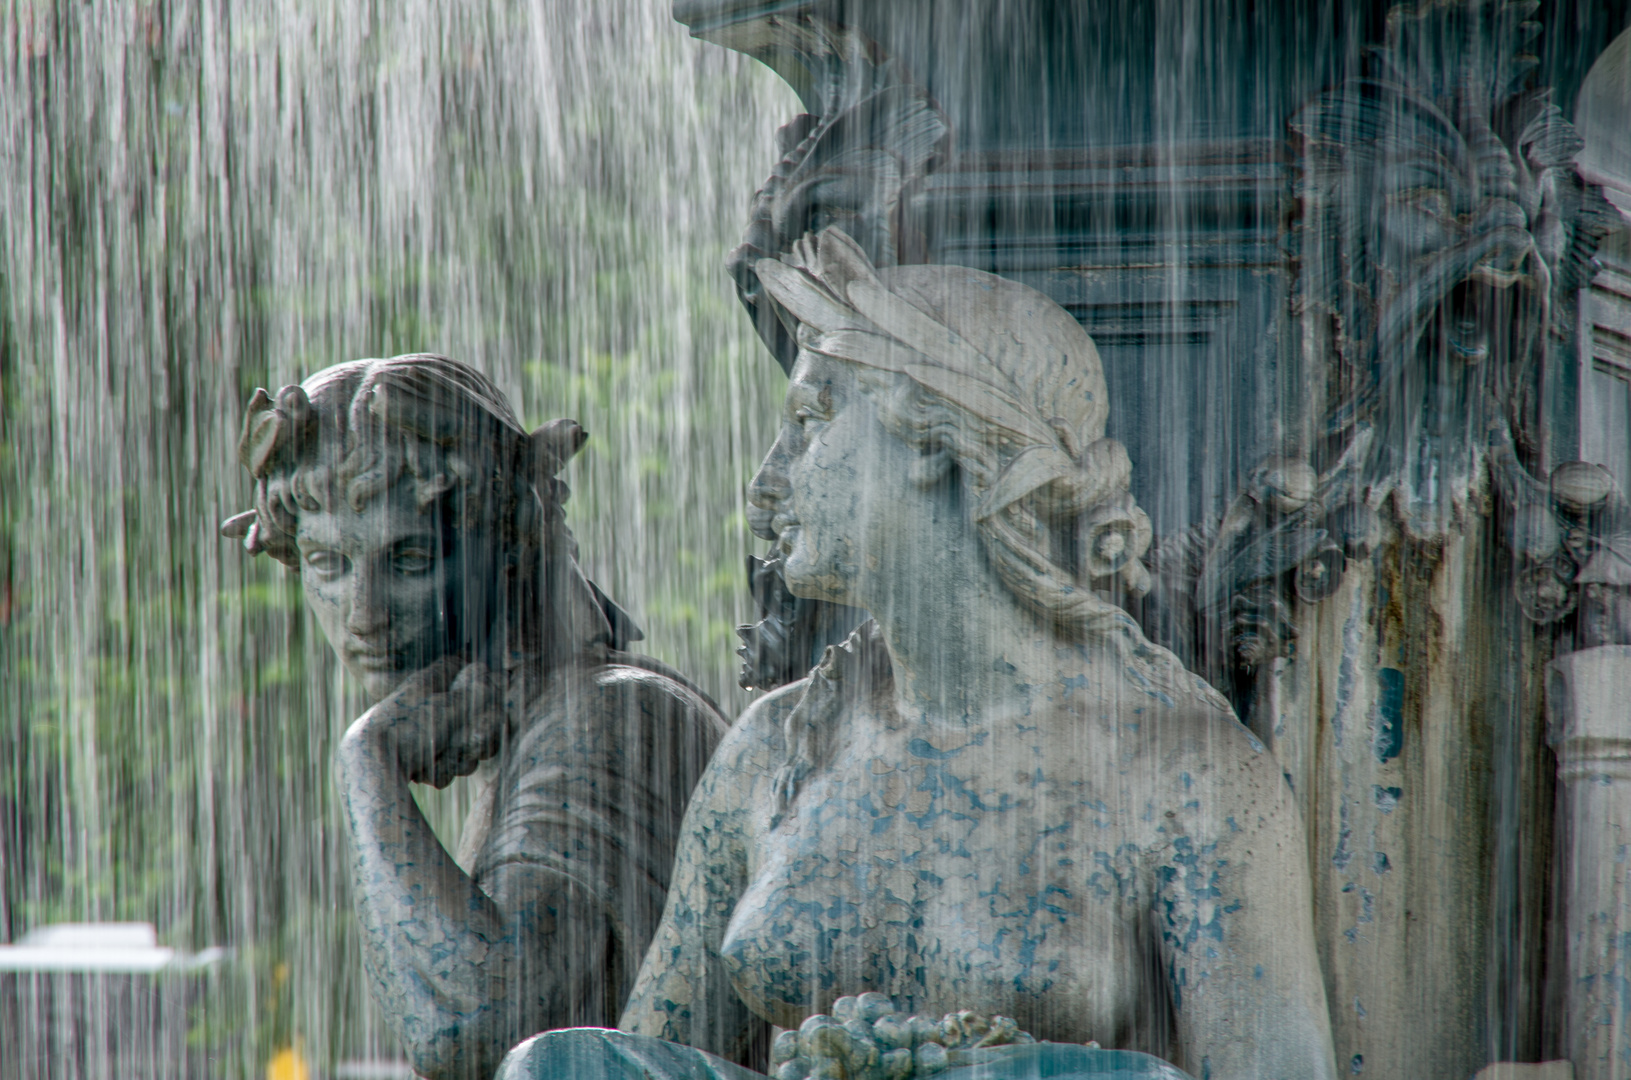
[373, 657]
[784, 527]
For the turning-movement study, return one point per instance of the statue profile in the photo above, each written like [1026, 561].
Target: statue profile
[998, 800]
[427, 528]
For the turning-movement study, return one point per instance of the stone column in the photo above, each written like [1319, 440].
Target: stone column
[1589, 698]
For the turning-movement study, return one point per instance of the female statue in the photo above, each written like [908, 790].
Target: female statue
[1000, 797]
[428, 531]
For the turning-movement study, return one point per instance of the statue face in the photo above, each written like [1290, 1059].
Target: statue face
[835, 489]
[384, 583]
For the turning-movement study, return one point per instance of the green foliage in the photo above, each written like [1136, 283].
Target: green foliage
[206, 203]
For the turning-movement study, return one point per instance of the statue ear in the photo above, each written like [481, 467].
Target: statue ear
[932, 467]
[554, 444]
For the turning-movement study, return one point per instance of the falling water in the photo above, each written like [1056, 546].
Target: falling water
[202, 198]
[198, 198]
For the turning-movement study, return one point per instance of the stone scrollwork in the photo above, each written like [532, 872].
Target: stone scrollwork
[1288, 534]
[1572, 535]
[1226, 590]
[876, 133]
[871, 134]
[1444, 229]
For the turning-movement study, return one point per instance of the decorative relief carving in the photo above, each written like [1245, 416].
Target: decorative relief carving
[1288, 535]
[867, 1038]
[876, 133]
[1444, 231]
[1572, 535]
[1225, 591]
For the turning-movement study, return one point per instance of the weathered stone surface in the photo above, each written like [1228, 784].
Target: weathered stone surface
[1546, 1070]
[427, 528]
[1001, 798]
[1393, 736]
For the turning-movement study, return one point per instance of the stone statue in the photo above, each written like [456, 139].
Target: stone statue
[1445, 230]
[428, 531]
[998, 797]
[871, 137]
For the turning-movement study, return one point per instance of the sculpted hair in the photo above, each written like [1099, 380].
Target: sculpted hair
[1051, 545]
[353, 431]
[1010, 385]
[1003, 379]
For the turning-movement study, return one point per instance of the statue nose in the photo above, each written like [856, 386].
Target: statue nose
[368, 614]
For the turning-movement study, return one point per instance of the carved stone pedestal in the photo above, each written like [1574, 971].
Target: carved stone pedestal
[1589, 698]
[1373, 395]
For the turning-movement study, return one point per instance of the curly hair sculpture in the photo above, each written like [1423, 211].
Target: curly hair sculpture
[354, 430]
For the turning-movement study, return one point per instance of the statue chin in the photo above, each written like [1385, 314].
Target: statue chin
[378, 685]
[380, 676]
[808, 579]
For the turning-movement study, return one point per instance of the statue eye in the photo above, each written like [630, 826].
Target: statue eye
[803, 415]
[413, 561]
[327, 563]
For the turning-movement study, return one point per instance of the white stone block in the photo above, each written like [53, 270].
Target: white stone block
[1589, 702]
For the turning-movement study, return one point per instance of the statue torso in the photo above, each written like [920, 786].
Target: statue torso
[1010, 869]
[594, 787]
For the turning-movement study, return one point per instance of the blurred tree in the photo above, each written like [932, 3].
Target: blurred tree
[204, 197]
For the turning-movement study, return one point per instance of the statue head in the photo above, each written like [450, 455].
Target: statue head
[959, 403]
[976, 371]
[1443, 232]
[423, 519]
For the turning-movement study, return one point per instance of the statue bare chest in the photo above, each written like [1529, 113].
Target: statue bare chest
[984, 876]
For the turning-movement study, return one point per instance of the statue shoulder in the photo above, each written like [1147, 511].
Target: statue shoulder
[736, 780]
[612, 704]
[611, 747]
[1220, 765]
[653, 683]
[761, 729]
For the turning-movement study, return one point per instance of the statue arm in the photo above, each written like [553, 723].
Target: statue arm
[440, 951]
[1234, 919]
[684, 993]
[568, 885]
